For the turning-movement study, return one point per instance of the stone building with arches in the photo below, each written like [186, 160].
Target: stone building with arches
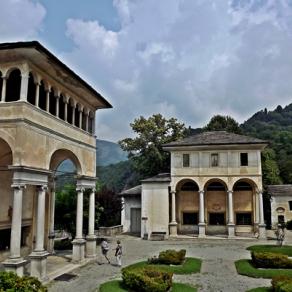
[47, 115]
[214, 188]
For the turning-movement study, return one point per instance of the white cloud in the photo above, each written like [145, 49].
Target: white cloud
[20, 19]
[189, 59]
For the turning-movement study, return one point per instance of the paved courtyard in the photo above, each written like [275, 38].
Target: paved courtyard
[218, 271]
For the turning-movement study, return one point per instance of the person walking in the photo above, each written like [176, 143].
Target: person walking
[104, 249]
[119, 253]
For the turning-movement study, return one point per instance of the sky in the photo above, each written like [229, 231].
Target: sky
[188, 59]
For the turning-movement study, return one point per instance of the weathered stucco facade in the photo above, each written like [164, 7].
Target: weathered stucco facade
[214, 187]
[47, 115]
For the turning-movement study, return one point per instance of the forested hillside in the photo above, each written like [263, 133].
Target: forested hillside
[276, 127]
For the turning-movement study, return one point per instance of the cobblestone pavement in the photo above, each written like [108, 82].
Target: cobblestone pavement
[218, 271]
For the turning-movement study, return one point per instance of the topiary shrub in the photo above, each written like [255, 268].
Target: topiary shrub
[172, 257]
[270, 260]
[282, 284]
[9, 281]
[147, 280]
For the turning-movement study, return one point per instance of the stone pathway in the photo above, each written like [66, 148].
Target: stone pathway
[218, 270]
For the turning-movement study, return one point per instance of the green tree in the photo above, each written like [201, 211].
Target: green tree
[271, 172]
[223, 123]
[146, 149]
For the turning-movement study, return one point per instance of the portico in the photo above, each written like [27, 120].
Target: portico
[45, 118]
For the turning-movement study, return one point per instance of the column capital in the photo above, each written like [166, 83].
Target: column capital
[173, 192]
[80, 107]
[229, 191]
[259, 191]
[202, 191]
[42, 188]
[18, 186]
[4, 77]
[80, 189]
[93, 190]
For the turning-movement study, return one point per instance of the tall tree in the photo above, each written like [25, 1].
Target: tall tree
[223, 123]
[145, 150]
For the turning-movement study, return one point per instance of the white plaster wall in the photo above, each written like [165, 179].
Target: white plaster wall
[129, 202]
[155, 206]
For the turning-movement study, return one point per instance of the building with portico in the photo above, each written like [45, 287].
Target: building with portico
[47, 115]
[214, 187]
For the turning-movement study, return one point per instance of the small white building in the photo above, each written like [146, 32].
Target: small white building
[214, 187]
[281, 203]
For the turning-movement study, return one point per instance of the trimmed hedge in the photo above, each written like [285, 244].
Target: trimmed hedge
[169, 257]
[9, 281]
[271, 260]
[147, 280]
[282, 284]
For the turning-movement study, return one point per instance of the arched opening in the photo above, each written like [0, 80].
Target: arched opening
[1, 84]
[215, 202]
[13, 86]
[31, 89]
[69, 112]
[6, 195]
[61, 108]
[243, 205]
[52, 107]
[42, 96]
[187, 206]
[76, 116]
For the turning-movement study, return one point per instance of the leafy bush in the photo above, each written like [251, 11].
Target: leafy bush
[289, 225]
[271, 260]
[282, 284]
[147, 280]
[63, 244]
[9, 281]
[172, 257]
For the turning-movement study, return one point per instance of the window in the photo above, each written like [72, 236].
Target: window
[216, 219]
[186, 160]
[243, 159]
[190, 218]
[281, 219]
[243, 219]
[214, 159]
[290, 205]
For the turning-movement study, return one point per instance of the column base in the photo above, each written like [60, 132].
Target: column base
[172, 229]
[231, 230]
[38, 264]
[15, 265]
[90, 246]
[262, 231]
[51, 243]
[202, 230]
[78, 254]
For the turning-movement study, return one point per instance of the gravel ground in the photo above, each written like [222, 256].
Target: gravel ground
[218, 271]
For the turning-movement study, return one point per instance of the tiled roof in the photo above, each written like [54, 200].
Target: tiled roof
[137, 190]
[215, 138]
[161, 177]
[280, 190]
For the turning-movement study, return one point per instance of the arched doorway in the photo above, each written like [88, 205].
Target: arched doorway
[244, 206]
[215, 206]
[6, 195]
[187, 206]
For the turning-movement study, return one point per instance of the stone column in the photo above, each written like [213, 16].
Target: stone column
[73, 113]
[37, 94]
[24, 86]
[86, 120]
[3, 93]
[173, 223]
[52, 222]
[231, 225]
[79, 242]
[66, 101]
[262, 225]
[93, 124]
[91, 238]
[38, 258]
[80, 109]
[57, 105]
[202, 224]
[48, 100]
[15, 262]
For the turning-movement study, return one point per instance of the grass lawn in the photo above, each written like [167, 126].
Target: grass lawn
[261, 289]
[190, 266]
[245, 267]
[116, 286]
[285, 249]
